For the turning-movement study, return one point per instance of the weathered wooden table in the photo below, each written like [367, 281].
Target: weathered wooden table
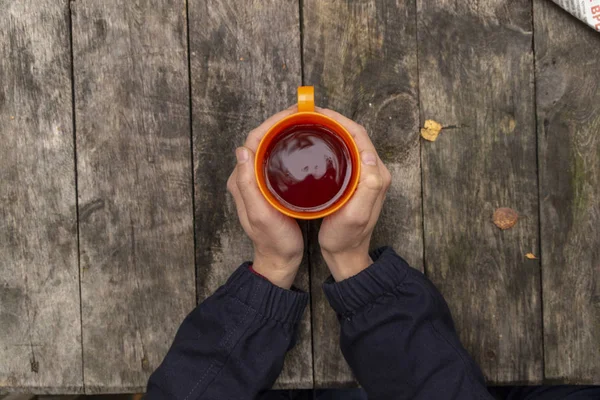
[118, 121]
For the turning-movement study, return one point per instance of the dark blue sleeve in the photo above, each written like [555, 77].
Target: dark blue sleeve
[232, 346]
[398, 337]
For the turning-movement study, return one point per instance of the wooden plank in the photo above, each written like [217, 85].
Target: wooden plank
[362, 58]
[57, 397]
[245, 66]
[40, 341]
[476, 77]
[568, 120]
[18, 396]
[135, 185]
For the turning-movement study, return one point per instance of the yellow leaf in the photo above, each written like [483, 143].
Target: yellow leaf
[431, 130]
[531, 256]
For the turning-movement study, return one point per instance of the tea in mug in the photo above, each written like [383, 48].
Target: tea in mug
[307, 167]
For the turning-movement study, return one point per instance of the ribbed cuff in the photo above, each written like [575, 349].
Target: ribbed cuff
[383, 276]
[267, 299]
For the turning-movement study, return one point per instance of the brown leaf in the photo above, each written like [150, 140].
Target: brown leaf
[505, 218]
[531, 256]
[431, 130]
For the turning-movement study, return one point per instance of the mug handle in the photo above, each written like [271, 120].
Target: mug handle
[306, 99]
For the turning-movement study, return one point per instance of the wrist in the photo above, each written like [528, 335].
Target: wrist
[280, 272]
[346, 264]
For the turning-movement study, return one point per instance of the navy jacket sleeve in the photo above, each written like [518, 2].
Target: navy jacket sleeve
[398, 337]
[232, 346]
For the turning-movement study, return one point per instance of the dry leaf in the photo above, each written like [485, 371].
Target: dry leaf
[431, 130]
[531, 256]
[505, 218]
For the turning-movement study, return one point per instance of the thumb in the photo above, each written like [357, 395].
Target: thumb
[369, 188]
[256, 205]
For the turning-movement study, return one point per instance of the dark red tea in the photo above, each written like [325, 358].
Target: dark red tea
[307, 167]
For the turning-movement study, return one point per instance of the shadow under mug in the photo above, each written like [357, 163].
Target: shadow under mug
[306, 115]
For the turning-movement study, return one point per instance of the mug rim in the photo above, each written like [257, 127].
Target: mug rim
[354, 156]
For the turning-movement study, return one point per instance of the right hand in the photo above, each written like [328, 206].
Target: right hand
[345, 235]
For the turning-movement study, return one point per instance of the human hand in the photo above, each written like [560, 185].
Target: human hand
[345, 236]
[277, 238]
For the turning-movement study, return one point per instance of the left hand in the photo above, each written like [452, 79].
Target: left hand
[277, 238]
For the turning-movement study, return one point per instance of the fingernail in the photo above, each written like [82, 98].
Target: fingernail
[369, 158]
[241, 154]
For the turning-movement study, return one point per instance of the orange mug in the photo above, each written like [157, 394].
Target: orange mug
[329, 137]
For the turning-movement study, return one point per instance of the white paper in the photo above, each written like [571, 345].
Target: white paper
[586, 10]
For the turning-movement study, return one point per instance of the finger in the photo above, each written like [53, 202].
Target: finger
[367, 197]
[378, 207]
[359, 133]
[255, 135]
[387, 180]
[257, 208]
[237, 198]
[360, 136]
[385, 174]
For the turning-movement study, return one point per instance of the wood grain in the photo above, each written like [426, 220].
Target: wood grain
[40, 341]
[245, 59]
[362, 58]
[476, 78]
[135, 185]
[568, 120]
